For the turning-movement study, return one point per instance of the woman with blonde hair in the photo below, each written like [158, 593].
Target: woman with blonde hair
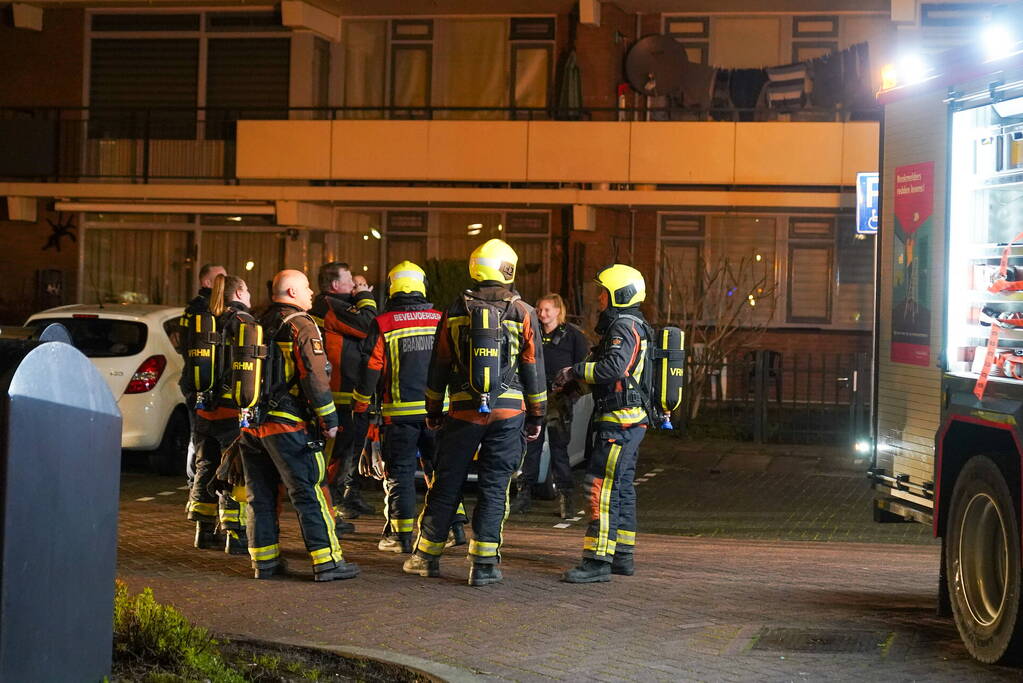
[217, 427]
[564, 344]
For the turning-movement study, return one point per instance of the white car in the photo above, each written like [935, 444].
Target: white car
[134, 347]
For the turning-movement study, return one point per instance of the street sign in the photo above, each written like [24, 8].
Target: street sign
[866, 203]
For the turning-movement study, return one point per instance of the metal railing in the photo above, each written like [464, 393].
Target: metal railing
[770, 397]
[139, 145]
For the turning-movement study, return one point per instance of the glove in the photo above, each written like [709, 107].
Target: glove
[564, 377]
[434, 422]
[330, 433]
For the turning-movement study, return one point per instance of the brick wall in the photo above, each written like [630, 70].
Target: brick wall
[601, 54]
[23, 257]
[46, 65]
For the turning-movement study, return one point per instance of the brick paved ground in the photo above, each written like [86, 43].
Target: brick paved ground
[765, 566]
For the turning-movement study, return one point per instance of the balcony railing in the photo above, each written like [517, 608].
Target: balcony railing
[165, 145]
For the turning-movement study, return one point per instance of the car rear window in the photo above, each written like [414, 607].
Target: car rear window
[101, 337]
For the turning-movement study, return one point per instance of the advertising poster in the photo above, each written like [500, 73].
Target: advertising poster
[911, 272]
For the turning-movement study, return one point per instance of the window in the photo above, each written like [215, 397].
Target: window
[102, 337]
[813, 37]
[694, 35]
[136, 266]
[810, 269]
[357, 242]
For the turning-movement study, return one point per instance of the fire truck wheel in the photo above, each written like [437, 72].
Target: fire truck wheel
[982, 552]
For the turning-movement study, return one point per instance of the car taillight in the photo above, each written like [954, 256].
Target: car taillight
[148, 374]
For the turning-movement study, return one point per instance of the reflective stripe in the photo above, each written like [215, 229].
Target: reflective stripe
[326, 512]
[286, 416]
[604, 527]
[414, 274]
[625, 416]
[361, 398]
[430, 547]
[591, 544]
[588, 372]
[230, 515]
[482, 548]
[399, 409]
[321, 556]
[537, 398]
[434, 395]
[208, 509]
[342, 398]
[466, 396]
[362, 303]
[326, 410]
[267, 552]
[626, 537]
[401, 525]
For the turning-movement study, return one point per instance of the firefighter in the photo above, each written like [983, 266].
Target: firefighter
[398, 351]
[199, 304]
[614, 374]
[217, 427]
[564, 344]
[285, 444]
[496, 423]
[344, 313]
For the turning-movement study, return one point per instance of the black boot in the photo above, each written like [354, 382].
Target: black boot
[483, 574]
[422, 566]
[399, 543]
[270, 569]
[343, 527]
[588, 571]
[456, 536]
[623, 564]
[206, 537]
[566, 505]
[340, 571]
[523, 501]
[353, 503]
[236, 543]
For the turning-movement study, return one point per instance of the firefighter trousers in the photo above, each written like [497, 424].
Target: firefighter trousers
[274, 453]
[609, 482]
[345, 452]
[211, 438]
[501, 446]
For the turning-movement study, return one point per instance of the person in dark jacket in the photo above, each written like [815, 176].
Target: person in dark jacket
[496, 424]
[344, 313]
[284, 446]
[614, 374]
[564, 344]
[398, 351]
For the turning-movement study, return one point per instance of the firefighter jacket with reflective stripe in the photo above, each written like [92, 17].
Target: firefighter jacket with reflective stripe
[398, 351]
[524, 386]
[614, 369]
[223, 406]
[345, 320]
[200, 303]
[297, 376]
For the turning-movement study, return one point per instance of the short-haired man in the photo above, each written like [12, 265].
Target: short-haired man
[282, 448]
[345, 312]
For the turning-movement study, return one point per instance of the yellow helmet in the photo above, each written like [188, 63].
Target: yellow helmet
[493, 260]
[624, 284]
[406, 277]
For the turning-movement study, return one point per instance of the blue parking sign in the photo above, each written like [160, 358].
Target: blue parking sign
[866, 203]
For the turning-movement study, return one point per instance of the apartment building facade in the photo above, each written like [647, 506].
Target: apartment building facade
[164, 136]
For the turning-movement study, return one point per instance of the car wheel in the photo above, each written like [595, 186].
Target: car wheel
[982, 555]
[169, 456]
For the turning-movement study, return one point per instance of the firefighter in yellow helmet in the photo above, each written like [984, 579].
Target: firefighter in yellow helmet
[614, 373]
[397, 351]
[489, 360]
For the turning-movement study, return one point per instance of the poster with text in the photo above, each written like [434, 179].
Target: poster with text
[911, 272]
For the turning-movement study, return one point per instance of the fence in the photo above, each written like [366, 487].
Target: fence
[768, 397]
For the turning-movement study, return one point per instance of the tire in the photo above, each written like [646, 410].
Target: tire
[169, 457]
[982, 556]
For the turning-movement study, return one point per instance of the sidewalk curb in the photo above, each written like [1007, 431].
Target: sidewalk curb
[435, 671]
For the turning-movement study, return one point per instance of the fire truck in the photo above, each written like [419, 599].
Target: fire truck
[948, 417]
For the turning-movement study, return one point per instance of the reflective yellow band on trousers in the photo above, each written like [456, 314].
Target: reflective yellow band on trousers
[267, 552]
[429, 547]
[626, 537]
[482, 548]
[322, 555]
[590, 543]
[401, 525]
[604, 526]
[208, 509]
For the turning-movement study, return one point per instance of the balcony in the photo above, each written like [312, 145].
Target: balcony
[326, 147]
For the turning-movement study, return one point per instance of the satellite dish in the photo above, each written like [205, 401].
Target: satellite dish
[655, 64]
